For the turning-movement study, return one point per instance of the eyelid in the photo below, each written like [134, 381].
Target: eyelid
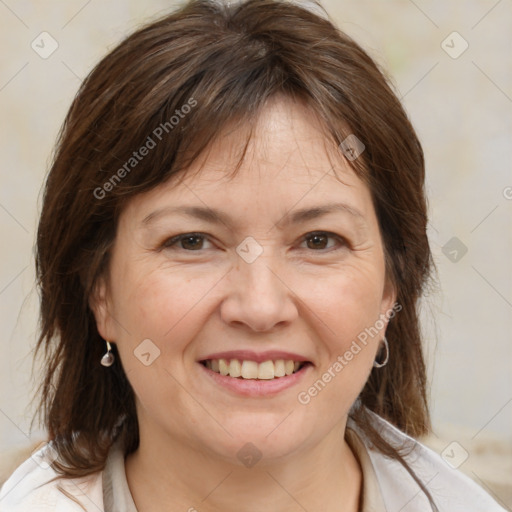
[341, 239]
[171, 242]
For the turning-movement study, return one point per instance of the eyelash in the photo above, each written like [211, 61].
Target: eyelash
[171, 242]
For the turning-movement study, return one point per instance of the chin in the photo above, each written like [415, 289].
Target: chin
[264, 437]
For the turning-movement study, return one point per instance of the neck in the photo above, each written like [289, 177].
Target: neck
[166, 473]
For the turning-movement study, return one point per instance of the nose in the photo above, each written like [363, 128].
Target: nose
[258, 298]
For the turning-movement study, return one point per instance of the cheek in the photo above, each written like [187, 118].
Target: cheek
[164, 306]
[158, 303]
[347, 302]
[347, 306]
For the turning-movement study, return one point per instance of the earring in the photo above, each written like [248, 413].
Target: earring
[108, 358]
[385, 362]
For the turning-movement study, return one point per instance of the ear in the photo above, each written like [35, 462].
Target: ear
[100, 305]
[389, 296]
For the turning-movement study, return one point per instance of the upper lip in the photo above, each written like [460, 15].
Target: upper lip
[259, 357]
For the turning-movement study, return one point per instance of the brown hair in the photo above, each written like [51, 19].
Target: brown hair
[224, 62]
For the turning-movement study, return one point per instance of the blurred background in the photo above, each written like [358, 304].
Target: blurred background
[450, 65]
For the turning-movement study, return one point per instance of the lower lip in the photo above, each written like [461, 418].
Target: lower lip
[255, 387]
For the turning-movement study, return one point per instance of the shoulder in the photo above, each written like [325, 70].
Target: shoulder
[451, 490]
[36, 486]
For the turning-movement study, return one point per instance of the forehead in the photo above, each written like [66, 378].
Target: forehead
[287, 157]
[285, 134]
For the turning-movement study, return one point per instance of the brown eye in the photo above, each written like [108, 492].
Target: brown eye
[192, 242]
[320, 240]
[317, 241]
[187, 242]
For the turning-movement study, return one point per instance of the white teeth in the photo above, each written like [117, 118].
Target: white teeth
[250, 370]
[279, 368]
[235, 368]
[223, 367]
[267, 370]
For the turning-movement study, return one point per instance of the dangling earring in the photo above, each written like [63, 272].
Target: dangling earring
[385, 362]
[108, 358]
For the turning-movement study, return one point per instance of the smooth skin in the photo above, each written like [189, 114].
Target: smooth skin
[304, 294]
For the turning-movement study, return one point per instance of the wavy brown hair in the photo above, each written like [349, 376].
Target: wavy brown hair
[227, 61]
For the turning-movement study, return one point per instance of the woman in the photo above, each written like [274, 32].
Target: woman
[230, 255]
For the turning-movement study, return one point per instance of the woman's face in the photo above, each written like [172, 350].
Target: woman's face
[282, 262]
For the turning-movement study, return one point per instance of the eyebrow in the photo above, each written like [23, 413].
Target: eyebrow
[214, 216]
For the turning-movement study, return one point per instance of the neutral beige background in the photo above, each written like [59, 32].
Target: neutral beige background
[462, 109]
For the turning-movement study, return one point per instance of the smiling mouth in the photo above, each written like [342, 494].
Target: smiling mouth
[267, 370]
